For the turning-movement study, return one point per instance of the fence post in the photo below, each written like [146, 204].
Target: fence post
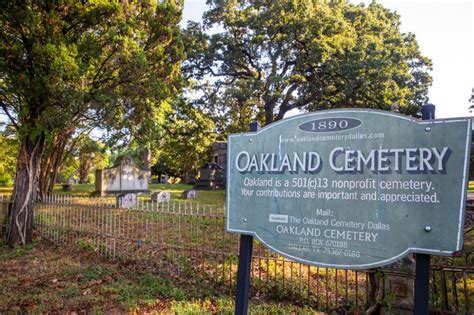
[245, 262]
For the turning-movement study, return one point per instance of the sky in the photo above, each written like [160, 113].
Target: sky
[445, 33]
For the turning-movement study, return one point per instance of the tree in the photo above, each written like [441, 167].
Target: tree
[57, 151]
[268, 57]
[64, 63]
[91, 155]
[8, 154]
[187, 140]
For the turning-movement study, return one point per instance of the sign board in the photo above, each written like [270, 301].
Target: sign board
[351, 189]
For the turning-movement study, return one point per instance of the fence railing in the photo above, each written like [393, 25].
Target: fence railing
[188, 239]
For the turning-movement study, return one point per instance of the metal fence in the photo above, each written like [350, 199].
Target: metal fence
[4, 204]
[452, 289]
[188, 240]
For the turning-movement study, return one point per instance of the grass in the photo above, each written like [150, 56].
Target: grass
[44, 278]
[210, 197]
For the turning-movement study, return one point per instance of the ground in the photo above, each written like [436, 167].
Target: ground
[43, 277]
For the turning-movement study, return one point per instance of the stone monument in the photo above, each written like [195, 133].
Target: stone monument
[127, 200]
[218, 154]
[189, 194]
[164, 179]
[68, 186]
[213, 173]
[161, 196]
[211, 177]
[123, 177]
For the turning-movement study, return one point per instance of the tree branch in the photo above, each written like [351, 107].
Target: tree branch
[5, 109]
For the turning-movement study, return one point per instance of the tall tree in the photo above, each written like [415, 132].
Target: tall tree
[91, 154]
[65, 62]
[266, 57]
[185, 144]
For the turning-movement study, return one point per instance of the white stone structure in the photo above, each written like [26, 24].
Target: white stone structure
[189, 194]
[127, 200]
[123, 177]
[161, 196]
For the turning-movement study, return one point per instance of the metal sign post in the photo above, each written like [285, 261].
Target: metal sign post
[422, 271]
[243, 274]
[422, 280]
[245, 262]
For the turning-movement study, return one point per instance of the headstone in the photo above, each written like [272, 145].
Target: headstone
[127, 200]
[213, 174]
[123, 177]
[69, 185]
[164, 179]
[189, 194]
[161, 196]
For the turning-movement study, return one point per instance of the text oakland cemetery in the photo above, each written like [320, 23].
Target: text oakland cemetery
[342, 160]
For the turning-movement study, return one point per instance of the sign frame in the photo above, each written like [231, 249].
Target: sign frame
[315, 115]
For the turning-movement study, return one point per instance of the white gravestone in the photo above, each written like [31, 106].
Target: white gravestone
[189, 194]
[129, 200]
[164, 179]
[161, 196]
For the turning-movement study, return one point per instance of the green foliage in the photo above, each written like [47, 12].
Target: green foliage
[186, 143]
[91, 155]
[102, 61]
[8, 156]
[68, 66]
[269, 57]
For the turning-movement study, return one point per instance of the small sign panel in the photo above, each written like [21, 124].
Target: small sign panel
[351, 189]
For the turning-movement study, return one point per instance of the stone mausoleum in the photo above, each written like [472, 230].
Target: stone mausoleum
[218, 154]
[123, 177]
[213, 173]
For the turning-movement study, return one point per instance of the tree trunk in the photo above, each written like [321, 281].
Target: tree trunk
[147, 158]
[44, 176]
[376, 294]
[84, 170]
[20, 230]
[85, 165]
[54, 157]
[269, 111]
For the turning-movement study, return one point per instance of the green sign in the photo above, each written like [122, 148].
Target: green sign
[351, 188]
